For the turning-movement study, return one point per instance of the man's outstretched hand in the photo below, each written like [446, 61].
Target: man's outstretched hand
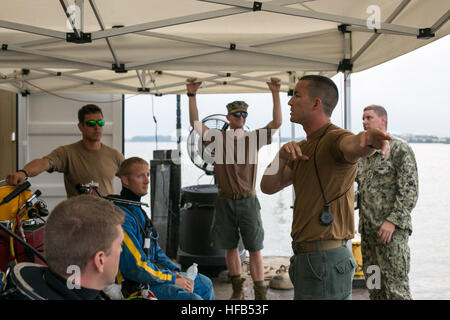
[376, 139]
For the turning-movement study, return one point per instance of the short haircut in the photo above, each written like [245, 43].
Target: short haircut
[323, 88]
[379, 111]
[87, 109]
[125, 167]
[77, 229]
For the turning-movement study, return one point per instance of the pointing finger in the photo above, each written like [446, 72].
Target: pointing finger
[299, 151]
[285, 151]
[385, 148]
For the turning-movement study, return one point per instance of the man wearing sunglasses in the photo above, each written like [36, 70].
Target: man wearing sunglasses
[237, 210]
[81, 162]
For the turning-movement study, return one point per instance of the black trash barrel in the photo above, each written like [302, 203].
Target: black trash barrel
[196, 217]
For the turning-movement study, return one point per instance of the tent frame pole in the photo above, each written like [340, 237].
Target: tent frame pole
[179, 20]
[347, 101]
[374, 37]
[32, 29]
[347, 39]
[317, 15]
[46, 54]
[65, 7]
[102, 26]
[238, 47]
[441, 21]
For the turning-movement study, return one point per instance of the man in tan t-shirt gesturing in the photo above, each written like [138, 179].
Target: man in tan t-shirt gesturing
[81, 162]
[237, 209]
[322, 170]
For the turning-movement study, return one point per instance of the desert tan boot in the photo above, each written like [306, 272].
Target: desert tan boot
[260, 292]
[238, 288]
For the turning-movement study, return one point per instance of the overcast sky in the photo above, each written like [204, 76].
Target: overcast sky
[414, 88]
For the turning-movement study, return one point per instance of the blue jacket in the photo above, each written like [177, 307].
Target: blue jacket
[136, 264]
[2, 279]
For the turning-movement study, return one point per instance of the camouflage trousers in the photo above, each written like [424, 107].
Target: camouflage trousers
[390, 262]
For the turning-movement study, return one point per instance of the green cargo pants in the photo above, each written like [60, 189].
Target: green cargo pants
[323, 275]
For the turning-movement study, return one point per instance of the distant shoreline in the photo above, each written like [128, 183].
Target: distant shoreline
[408, 137]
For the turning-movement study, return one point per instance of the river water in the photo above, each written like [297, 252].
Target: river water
[429, 243]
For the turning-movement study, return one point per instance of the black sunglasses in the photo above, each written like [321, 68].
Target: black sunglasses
[240, 113]
[93, 123]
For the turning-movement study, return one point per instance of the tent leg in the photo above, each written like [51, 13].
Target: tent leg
[179, 125]
[292, 80]
[347, 101]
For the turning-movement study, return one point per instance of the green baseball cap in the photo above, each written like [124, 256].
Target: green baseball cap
[237, 106]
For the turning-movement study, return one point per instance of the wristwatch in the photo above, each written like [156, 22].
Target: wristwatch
[26, 173]
[190, 94]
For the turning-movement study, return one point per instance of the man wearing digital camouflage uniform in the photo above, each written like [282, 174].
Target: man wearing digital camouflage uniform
[388, 191]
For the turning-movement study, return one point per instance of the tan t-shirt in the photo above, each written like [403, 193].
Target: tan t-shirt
[81, 166]
[336, 175]
[236, 173]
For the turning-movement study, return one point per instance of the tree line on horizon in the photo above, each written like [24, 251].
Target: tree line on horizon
[412, 138]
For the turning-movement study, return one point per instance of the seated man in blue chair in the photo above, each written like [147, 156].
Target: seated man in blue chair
[143, 262]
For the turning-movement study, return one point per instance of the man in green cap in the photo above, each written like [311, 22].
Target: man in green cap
[237, 207]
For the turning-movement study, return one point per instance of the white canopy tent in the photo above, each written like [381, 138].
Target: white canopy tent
[66, 47]
[151, 46]
[113, 46]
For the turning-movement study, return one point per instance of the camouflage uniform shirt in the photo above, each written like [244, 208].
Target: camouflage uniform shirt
[388, 187]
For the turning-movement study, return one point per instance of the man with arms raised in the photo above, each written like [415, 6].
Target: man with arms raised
[237, 207]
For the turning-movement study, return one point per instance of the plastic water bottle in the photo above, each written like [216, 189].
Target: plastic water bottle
[114, 291]
[191, 272]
